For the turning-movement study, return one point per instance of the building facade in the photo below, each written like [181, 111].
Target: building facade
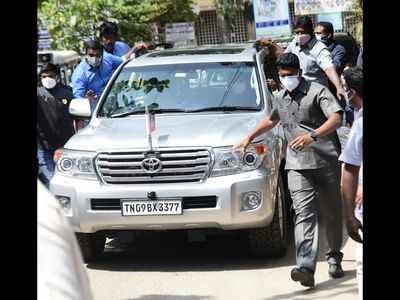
[210, 27]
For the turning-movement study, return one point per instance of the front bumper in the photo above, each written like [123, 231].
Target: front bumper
[225, 215]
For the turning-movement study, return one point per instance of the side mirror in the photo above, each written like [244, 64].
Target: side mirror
[80, 107]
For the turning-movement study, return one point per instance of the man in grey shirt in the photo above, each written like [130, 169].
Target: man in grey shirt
[315, 58]
[310, 115]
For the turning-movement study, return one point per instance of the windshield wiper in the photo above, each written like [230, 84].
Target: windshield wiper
[224, 108]
[142, 110]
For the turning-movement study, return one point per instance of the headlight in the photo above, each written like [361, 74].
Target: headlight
[75, 163]
[228, 162]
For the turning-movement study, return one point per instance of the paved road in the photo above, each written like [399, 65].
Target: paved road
[167, 267]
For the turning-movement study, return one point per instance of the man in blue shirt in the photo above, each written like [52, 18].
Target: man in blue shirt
[93, 73]
[109, 37]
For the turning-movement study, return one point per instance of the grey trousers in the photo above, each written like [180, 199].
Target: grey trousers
[316, 196]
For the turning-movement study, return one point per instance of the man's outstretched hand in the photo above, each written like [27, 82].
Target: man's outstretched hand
[91, 95]
[242, 145]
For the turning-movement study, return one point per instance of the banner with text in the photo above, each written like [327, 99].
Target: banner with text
[44, 39]
[180, 32]
[271, 18]
[308, 7]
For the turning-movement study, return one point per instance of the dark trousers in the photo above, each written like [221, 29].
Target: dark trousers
[316, 195]
[46, 165]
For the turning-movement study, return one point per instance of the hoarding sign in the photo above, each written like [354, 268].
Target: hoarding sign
[44, 41]
[308, 7]
[271, 18]
[334, 18]
[179, 32]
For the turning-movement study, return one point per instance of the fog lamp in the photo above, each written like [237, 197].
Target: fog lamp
[251, 200]
[65, 202]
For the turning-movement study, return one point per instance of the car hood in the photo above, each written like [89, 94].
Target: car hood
[178, 130]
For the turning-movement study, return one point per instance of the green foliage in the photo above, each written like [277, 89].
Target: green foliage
[359, 25]
[230, 8]
[71, 21]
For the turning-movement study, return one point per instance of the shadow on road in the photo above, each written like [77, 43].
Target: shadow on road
[171, 252]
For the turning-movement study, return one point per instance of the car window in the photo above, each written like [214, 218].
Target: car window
[184, 87]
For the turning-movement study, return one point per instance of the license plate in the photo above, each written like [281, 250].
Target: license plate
[151, 208]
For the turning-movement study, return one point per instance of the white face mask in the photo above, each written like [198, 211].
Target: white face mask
[290, 82]
[49, 82]
[302, 39]
[93, 61]
[318, 36]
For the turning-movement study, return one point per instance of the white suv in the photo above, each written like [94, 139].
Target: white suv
[113, 175]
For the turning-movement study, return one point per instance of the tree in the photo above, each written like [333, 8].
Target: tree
[228, 10]
[231, 8]
[359, 25]
[71, 21]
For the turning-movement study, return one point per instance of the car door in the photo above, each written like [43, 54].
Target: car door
[278, 139]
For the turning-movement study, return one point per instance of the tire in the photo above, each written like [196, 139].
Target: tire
[271, 240]
[91, 244]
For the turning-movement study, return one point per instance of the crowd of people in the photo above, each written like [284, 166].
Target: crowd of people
[318, 92]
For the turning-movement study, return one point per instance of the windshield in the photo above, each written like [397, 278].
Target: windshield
[183, 88]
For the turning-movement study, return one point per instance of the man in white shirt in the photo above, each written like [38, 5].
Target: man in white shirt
[352, 158]
[60, 269]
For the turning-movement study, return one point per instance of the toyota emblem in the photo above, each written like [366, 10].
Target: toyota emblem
[151, 165]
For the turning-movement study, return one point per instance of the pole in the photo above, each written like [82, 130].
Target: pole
[148, 127]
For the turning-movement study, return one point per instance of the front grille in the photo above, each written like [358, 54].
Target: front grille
[187, 203]
[177, 166]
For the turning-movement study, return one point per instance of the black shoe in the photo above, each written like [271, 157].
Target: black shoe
[335, 270]
[304, 275]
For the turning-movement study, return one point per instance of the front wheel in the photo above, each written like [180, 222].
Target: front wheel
[272, 240]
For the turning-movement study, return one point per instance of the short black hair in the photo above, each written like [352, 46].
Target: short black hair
[354, 79]
[93, 44]
[328, 27]
[108, 29]
[49, 67]
[288, 60]
[306, 23]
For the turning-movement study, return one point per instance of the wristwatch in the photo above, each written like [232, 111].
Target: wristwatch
[314, 135]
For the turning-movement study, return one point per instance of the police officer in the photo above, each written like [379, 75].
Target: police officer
[51, 80]
[310, 115]
[109, 37]
[54, 124]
